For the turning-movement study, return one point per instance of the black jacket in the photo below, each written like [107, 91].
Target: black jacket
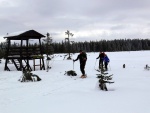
[82, 58]
[101, 56]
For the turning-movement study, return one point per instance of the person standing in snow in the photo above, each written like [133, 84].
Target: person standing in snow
[101, 57]
[82, 57]
[106, 61]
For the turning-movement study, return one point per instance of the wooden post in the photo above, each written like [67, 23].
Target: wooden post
[40, 65]
[7, 52]
[43, 65]
[27, 44]
[34, 64]
[21, 55]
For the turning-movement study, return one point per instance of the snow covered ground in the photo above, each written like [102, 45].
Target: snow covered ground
[59, 93]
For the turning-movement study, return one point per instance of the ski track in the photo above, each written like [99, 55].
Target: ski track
[57, 88]
[129, 94]
[58, 82]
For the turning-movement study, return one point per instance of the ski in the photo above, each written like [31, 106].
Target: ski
[48, 68]
[98, 70]
[85, 76]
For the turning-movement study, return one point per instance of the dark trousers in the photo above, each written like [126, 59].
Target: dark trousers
[106, 63]
[100, 64]
[82, 66]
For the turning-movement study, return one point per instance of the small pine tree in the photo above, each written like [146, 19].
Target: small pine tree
[28, 76]
[103, 79]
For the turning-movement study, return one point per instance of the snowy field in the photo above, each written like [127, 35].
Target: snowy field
[59, 93]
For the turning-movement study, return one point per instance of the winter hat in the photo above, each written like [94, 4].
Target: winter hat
[80, 51]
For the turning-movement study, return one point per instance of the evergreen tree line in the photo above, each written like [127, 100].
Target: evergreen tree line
[92, 46]
[103, 45]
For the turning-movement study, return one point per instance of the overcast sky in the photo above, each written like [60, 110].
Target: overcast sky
[86, 19]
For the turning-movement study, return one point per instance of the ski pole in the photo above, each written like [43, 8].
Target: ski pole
[95, 63]
[109, 66]
[73, 65]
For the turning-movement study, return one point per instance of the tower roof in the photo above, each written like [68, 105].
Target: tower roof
[31, 34]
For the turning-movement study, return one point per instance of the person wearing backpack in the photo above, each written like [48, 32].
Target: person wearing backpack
[106, 61]
[82, 57]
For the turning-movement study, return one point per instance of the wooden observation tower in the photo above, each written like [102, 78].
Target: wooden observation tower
[21, 55]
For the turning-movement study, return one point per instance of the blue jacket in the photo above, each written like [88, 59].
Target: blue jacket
[106, 59]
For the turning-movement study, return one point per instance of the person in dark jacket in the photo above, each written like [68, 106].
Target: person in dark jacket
[82, 58]
[101, 57]
[106, 61]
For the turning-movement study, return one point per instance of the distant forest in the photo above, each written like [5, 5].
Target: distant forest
[92, 46]
[103, 45]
